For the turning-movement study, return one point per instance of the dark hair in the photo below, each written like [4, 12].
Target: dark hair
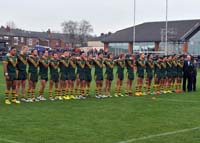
[109, 54]
[53, 53]
[82, 52]
[181, 56]
[100, 53]
[32, 51]
[148, 56]
[72, 54]
[88, 54]
[45, 51]
[121, 55]
[13, 47]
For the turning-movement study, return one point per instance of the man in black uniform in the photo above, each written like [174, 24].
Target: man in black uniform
[188, 69]
[194, 76]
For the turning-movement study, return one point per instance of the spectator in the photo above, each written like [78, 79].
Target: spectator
[194, 76]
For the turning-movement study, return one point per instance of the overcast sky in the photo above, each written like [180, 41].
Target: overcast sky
[104, 15]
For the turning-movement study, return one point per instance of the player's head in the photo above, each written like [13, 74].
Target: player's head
[169, 58]
[34, 52]
[13, 51]
[174, 56]
[89, 55]
[122, 56]
[24, 49]
[180, 57]
[66, 53]
[55, 55]
[149, 56]
[142, 56]
[82, 54]
[100, 55]
[110, 56]
[164, 58]
[161, 59]
[46, 53]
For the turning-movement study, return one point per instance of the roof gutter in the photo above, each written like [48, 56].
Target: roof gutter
[190, 32]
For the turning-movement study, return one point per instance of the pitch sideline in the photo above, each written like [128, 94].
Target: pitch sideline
[9, 141]
[160, 135]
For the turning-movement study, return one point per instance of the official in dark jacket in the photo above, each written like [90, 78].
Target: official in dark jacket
[194, 76]
[188, 70]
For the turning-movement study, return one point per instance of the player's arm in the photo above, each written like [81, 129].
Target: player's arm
[81, 65]
[72, 63]
[89, 65]
[44, 64]
[5, 64]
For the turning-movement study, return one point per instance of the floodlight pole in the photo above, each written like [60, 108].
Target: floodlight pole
[166, 31]
[134, 19]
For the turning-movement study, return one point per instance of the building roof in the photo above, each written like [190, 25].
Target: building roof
[152, 32]
[99, 38]
[30, 34]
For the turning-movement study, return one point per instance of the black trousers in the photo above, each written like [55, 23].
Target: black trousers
[187, 79]
[194, 82]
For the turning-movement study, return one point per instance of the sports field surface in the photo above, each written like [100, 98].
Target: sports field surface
[170, 118]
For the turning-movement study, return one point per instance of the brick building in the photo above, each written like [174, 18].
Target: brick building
[18, 38]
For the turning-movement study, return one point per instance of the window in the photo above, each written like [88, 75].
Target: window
[30, 41]
[16, 40]
[57, 43]
[22, 39]
[6, 38]
[194, 44]
[118, 48]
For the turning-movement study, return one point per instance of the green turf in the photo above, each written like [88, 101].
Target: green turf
[101, 121]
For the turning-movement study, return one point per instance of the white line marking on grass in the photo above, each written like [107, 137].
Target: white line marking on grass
[176, 100]
[9, 141]
[160, 135]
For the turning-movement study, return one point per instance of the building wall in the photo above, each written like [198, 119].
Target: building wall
[62, 44]
[95, 44]
[194, 44]
[191, 47]
[32, 42]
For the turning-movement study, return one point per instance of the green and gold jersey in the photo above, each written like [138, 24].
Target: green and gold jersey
[129, 65]
[43, 65]
[22, 62]
[169, 67]
[120, 66]
[64, 64]
[180, 66]
[109, 66]
[163, 69]
[80, 63]
[98, 64]
[53, 65]
[140, 66]
[157, 67]
[72, 66]
[174, 65]
[12, 63]
[33, 63]
[88, 66]
[149, 66]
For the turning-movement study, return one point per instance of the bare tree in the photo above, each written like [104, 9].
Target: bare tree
[70, 29]
[11, 25]
[85, 29]
[77, 32]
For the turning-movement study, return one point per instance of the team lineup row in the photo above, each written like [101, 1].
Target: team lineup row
[70, 75]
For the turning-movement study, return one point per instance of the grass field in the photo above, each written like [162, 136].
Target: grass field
[173, 118]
